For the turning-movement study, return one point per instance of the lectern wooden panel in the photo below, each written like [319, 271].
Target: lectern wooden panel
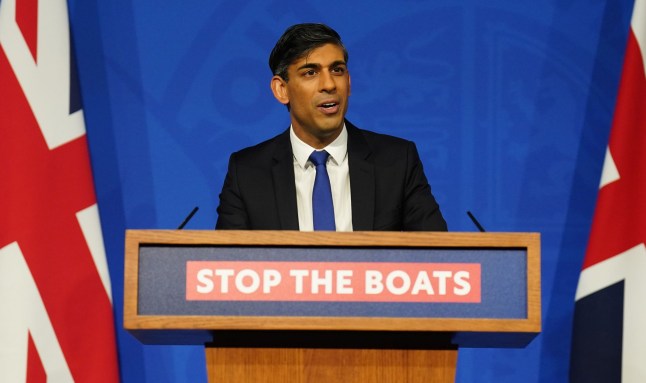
[325, 306]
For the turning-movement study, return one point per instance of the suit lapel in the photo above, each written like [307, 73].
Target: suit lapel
[362, 180]
[284, 184]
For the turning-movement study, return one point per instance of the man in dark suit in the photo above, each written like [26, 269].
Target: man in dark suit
[376, 181]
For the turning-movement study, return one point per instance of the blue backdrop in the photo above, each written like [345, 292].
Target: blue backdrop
[510, 103]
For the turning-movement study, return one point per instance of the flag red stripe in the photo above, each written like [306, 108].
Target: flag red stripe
[27, 20]
[35, 370]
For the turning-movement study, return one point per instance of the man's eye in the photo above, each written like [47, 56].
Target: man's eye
[338, 70]
[310, 72]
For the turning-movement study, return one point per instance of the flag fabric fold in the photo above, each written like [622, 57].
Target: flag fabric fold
[609, 330]
[55, 296]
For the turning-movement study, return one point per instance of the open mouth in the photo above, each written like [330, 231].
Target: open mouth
[329, 107]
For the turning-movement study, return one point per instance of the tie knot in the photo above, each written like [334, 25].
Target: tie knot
[319, 157]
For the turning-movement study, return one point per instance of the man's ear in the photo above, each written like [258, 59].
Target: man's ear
[279, 89]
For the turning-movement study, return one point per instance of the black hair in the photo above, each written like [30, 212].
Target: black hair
[298, 41]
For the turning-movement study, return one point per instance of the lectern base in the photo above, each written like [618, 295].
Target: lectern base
[297, 365]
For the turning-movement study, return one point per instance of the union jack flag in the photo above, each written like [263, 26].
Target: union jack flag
[56, 318]
[609, 334]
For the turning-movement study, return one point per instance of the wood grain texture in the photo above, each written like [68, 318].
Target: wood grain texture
[342, 239]
[329, 365]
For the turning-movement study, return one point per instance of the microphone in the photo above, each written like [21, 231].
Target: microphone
[188, 218]
[475, 222]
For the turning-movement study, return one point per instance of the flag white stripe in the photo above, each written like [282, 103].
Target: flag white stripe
[46, 84]
[610, 172]
[22, 312]
[88, 219]
[638, 24]
[628, 267]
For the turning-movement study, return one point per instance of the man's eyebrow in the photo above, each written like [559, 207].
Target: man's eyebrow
[318, 66]
[309, 66]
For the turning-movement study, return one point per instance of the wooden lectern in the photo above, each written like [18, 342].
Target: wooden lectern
[282, 306]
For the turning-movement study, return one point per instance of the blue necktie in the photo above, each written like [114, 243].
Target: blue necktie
[322, 207]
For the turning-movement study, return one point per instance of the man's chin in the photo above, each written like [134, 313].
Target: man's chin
[331, 126]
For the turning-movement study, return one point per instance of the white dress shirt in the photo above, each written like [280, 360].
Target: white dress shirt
[339, 173]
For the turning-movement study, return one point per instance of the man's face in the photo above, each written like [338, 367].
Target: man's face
[317, 93]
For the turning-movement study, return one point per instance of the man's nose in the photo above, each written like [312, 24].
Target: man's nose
[326, 82]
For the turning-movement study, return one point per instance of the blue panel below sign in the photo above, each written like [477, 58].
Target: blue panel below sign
[162, 282]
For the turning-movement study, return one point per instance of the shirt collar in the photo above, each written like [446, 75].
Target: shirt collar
[338, 148]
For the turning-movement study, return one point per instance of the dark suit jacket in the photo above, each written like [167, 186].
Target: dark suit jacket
[387, 182]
